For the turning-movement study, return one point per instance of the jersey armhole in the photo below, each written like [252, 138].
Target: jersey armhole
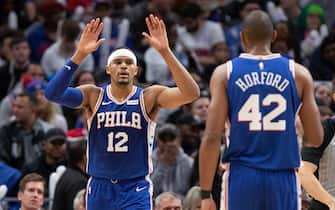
[144, 111]
[229, 68]
[292, 67]
[96, 107]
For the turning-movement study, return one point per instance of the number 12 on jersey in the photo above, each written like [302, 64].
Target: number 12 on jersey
[121, 145]
[250, 113]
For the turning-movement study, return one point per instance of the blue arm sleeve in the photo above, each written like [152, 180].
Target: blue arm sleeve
[58, 91]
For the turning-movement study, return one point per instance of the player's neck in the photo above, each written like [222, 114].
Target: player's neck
[121, 92]
[259, 51]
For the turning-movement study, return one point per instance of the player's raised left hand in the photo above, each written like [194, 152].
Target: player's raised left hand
[157, 36]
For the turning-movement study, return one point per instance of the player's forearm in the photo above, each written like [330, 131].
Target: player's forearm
[57, 89]
[208, 161]
[313, 187]
[183, 79]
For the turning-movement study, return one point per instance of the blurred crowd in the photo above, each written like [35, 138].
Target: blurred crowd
[47, 142]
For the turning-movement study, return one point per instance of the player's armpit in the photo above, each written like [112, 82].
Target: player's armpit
[91, 95]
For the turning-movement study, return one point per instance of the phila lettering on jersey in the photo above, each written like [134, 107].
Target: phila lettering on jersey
[121, 137]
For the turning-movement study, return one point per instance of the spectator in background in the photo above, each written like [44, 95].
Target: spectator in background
[232, 33]
[220, 54]
[172, 167]
[137, 15]
[192, 200]
[42, 34]
[74, 178]
[34, 71]
[199, 107]
[58, 53]
[312, 29]
[115, 31]
[46, 111]
[6, 36]
[190, 129]
[31, 192]
[168, 200]
[286, 43]
[53, 155]
[199, 35]
[322, 65]
[22, 139]
[323, 93]
[11, 73]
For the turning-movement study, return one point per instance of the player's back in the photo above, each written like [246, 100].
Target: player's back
[263, 103]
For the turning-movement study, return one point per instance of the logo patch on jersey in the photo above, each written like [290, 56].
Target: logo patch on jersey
[132, 102]
[67, 67]
[138, 189]
[106, 102]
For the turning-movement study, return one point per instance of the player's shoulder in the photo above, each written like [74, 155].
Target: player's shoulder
[302, 73]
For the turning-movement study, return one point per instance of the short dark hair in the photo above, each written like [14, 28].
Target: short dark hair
[17, 40]
[76, 150]
[191, 10]
[32, 97]
[70, 30]
[168, 132]
[32, 177]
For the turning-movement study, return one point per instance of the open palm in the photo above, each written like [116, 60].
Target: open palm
[157, 36]
[89, 42]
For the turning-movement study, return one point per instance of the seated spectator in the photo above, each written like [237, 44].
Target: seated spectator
[192, 200]
[199, 107]
[172, 167]
[43, 34]
[168, 200]
[322, 93]
[46, 110]
[232, 33]
[74, 178]
[58, 53]
[31, 192]
[322, 62]
[34, 71]
[190, 132]
[313, 29]
[53, 155]
[220, 53]
[198, 34]
[22, 139]
[11, 73]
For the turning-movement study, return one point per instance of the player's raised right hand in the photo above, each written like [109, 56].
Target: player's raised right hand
[89, 42]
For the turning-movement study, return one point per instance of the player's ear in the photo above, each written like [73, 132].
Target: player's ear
[274, 35]
[333, 97]
[108, 69]
[243, 41]
[136, 71]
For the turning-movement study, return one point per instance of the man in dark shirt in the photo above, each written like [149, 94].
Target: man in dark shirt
[74, 178]
[10, 74]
